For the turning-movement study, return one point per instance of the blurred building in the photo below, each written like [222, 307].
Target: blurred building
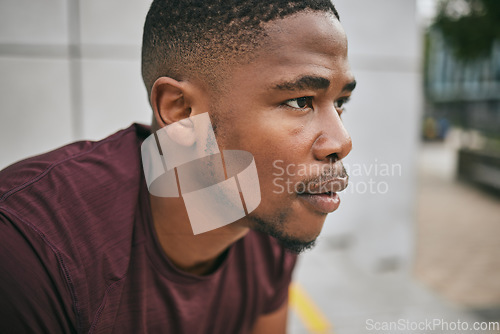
[465, 93]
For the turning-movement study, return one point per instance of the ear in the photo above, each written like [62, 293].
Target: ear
[168, 101]
[171, 107]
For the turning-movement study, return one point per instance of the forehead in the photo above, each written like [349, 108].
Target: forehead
[315, 31]
[307, 43]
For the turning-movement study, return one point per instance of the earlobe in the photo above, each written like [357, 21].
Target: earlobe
[182, 132]
[172, 110]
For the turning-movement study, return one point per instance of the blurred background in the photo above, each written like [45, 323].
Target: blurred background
[417, 234]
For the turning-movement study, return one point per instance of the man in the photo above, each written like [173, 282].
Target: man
[85, 248]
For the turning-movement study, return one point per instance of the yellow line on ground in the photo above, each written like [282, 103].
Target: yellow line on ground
[308, 312]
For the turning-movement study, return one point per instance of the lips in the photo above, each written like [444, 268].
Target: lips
[322, 196]
[322, 203]
[331, 185]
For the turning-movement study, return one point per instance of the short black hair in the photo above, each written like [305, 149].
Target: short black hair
[188, 37]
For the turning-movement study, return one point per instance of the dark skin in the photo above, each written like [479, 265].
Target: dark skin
[284, 105]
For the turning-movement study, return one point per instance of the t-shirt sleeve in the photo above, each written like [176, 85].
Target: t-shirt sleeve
[284, 277]
[34, 297]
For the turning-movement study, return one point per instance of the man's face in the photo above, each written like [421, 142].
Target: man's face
[284, 107]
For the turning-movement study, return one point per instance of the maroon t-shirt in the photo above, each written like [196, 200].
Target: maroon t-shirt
[78, 253]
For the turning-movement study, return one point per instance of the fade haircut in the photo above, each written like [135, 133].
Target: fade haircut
[193, 38]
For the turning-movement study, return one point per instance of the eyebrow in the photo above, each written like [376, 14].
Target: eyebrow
[350, 86]
[311, 82]
[304, 82]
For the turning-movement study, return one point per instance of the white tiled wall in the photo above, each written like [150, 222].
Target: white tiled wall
[380, 28]
[113, 96]
[38, 105]
[115, 22]
[33, 22]
[35, 108]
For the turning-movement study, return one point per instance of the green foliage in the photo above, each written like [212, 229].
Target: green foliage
[470, 27]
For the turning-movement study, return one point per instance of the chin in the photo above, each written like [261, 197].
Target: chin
[292, 234]
[292, 243]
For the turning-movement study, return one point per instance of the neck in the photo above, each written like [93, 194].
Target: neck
[196, 254]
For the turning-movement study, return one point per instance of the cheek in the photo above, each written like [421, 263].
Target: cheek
[275, 151]
[270, 135]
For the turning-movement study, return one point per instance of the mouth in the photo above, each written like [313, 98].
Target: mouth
[322, 197]
[323, 203]
[331, 185]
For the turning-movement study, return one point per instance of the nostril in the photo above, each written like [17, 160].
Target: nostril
[333, 157]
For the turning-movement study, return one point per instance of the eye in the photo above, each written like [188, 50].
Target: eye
[300, 102]
[339, 104]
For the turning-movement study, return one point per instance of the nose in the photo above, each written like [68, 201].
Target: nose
[333, 141]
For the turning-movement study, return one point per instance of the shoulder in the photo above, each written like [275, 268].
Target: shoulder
[74, 210]
[77, 193]
[70, 193]
[73, 179]
[68, 161]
